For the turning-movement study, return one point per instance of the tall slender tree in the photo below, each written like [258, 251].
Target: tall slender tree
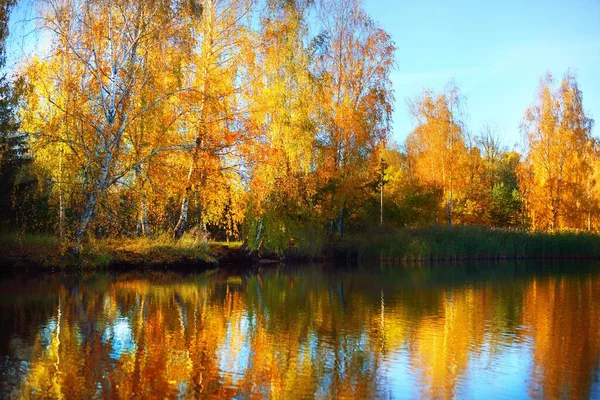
[214, 110]
[357, 100]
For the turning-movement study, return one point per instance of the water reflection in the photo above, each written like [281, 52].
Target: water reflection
[310, 331]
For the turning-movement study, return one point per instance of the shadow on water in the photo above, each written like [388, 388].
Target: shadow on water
[451, 330]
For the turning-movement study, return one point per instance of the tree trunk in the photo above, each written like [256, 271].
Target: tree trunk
[86, 216]
[61, 200]
[183, 215]
[90, 206]
[61, 216]
[259, 232]
[341, 222]
[143, 226]
[381, 203]
[185, 203]
[554, 221]
[450, 210]
[206, 50]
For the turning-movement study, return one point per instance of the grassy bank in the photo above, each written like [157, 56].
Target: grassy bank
[45, 251]
[431, 244]
[476, 243]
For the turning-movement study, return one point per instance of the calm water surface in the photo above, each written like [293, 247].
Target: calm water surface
[465, 331]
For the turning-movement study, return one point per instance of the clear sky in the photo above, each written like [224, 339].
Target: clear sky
[497, 51]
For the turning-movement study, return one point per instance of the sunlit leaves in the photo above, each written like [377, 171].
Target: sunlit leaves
[556, 176]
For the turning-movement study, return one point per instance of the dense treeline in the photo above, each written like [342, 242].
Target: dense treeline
[267, 121]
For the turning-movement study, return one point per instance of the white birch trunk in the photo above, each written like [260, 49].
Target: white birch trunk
[61, 200]
[185, 202]
[143, 218]
[208, 44]
[143, 228]
[90, 206]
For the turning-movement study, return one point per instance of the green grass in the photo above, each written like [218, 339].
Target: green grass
[229, 245]
[472, 243]
[45, 251]
[387, 244]
[40, 247]
[19, 241]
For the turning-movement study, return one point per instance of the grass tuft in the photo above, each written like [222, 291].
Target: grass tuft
[162, 249]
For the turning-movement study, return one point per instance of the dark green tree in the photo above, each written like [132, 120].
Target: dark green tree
[17, 183]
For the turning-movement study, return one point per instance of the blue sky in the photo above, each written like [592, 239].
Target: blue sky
[497, 51]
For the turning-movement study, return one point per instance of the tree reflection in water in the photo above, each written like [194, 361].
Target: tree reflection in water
[310, 331]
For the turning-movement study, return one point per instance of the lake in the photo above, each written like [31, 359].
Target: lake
[501, 330]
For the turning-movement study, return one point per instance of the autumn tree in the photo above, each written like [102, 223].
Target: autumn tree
[16, 181]
[592, 188]
[406, 202]
[285, 117]
[213, 124]
[357, 99]
[559, 161]
[110, 82]
[506, 208]
[490, 190]
[324, 109]
[17, 185]
[437, 147]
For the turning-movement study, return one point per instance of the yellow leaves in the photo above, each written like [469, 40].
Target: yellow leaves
[183, 103]
[437, 146]
[560, 147]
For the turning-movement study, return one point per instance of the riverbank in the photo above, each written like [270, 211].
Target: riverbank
[381, 245]
[45, 252]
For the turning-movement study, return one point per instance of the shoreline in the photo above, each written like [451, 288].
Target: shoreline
[404, 246]
[232, 260]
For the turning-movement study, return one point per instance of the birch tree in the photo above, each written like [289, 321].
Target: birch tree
[357, 98]
[212, 119]
[285, 117]
[109, 43]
